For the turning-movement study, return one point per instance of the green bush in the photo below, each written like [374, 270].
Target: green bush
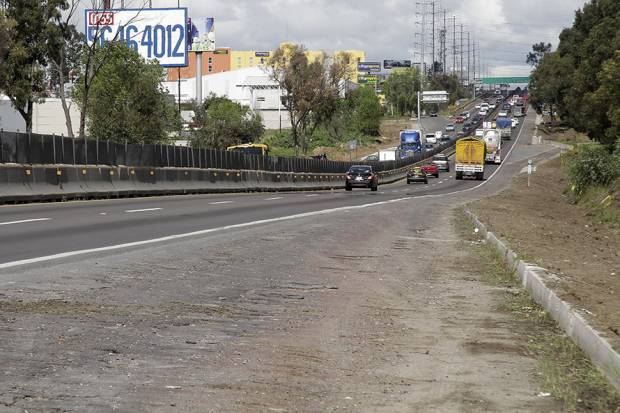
[277, 139]
[591, 165]
[321, 137]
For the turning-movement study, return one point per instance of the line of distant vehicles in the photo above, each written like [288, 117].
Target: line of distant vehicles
[473, 152]
[478, 143]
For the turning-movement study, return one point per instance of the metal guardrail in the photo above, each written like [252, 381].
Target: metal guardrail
[36, 149]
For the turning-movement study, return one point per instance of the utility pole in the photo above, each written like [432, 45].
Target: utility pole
[461, 53]
[433, 31]
[444, 63]
[474, 55]
[454, 45]
[468, 52]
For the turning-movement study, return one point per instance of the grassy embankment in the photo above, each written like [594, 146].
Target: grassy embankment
[337, 149]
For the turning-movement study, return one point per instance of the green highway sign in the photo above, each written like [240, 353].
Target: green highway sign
[507, 79]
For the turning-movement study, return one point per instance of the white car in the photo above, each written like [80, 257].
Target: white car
[479, 133]
[515, 122]
[502, 114]
[492, 106]
[430, 138]
[478, 106]
[482, 112]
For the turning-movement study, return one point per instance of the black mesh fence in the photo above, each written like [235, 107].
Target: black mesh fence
[34, 149]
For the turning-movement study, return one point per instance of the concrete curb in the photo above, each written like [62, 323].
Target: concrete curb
[576, 327]
[31, 183]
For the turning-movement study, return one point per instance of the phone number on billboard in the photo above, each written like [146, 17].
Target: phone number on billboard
[154, 33]
[156, 41]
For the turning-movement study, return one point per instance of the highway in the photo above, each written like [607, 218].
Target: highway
[31, 231]
[276, 302]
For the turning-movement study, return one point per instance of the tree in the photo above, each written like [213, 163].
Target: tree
[93, 59]
[64, 55]
[539, 51]
[401, 90]
[550, 83]
[572, 78]
[365, 111]
[450, 84]
[607, 97]
[24, 57]
[308, 86]
[221, 123]
[127, 100]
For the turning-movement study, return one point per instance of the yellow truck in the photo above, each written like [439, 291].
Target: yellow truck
[470, 154]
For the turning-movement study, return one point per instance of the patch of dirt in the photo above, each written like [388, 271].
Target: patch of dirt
[544, 228]
[562, 135]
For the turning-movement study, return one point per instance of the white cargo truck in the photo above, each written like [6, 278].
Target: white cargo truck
[387, 155]
[493, 140]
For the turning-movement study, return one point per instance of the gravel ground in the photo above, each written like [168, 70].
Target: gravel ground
[581, 253]
[373, 310]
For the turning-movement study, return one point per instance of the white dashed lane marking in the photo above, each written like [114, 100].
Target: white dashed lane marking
[24, 221]
[274, 198]
[220, 202]
[131, 211]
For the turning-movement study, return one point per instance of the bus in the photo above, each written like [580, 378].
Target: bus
[251, 149]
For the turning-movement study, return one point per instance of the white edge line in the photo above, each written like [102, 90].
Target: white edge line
[129, 211]
[220, 202]
[242, 225]
[191, 234]
[274, 198]
[23, 221]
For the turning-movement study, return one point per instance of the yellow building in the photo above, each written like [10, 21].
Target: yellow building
[356, 57]
[252, 58]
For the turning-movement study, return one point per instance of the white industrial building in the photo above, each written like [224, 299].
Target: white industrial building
[252, 87]
[47, 117]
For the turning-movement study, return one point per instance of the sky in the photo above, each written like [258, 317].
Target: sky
[504, 30]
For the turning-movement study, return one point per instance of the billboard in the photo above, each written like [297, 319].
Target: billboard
[369, 67]
[367, 79]
[155, 33]
[262, 54]
[390, 64]
[435, 96]
[203, 40]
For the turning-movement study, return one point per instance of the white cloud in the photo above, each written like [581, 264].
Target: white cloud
[503, 29]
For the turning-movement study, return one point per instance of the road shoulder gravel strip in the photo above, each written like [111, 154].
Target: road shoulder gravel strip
[534, 280]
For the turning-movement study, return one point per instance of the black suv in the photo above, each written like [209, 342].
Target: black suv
[361, 176]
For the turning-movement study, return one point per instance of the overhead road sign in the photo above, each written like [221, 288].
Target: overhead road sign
[507, 79]
[154, 33]
[367, 79]
[435, 96]
[369, 67]
[390, 64]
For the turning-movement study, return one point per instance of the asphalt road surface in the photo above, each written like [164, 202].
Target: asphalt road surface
[313, 302]
[36, 230]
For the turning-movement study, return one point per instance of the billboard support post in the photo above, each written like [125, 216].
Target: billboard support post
[419, 122]
[178, 72]
[199, 78]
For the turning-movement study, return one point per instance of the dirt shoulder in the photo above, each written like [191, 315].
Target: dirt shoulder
[568, 240]
[381, 310]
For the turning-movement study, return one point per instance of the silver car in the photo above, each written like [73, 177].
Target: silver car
[442, 162]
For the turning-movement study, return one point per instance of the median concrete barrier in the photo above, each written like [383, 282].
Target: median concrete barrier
[29, 183]
[24, 183]
[576, 327]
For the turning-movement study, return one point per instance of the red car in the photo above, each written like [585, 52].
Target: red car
[430, 169]
[459, 119]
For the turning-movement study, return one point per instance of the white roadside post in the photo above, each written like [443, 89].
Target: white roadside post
[529, 172]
